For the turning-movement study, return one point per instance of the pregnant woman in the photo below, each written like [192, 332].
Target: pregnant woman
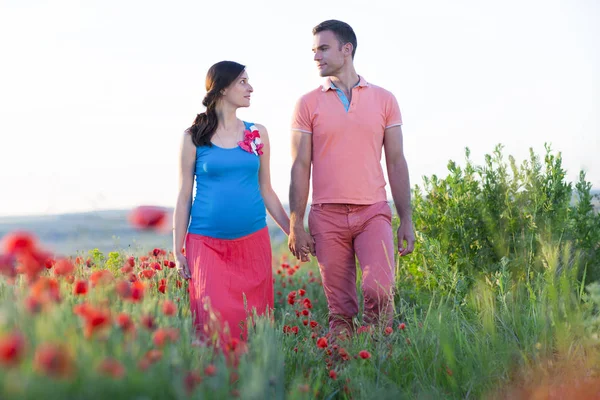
[227, 246]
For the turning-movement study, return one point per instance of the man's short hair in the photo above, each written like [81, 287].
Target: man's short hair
[342, 31]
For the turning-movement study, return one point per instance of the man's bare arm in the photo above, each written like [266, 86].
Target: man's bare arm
[299, 187]
[398, 177]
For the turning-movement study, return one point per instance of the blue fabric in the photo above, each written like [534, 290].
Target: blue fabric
[342, 95]
[227, 203]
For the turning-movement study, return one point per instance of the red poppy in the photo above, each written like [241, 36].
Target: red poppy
[124, 322]
[63, 267]
[12, 348]
[333, 374]
[191, 380]
[344, 354]
[291, 297]
[364, 329]
[96, 319]
[80, 309]
[402, 326]
[49, 263]
[162, 335]
[81, 287]
[154, 355]
[123, 289]
[101, 277]
[147, 321]
[364, 354]
[33, 305]
[306, 303]
[19, 242]
[126, 269]
[322, 343]
[45, 290]
[388, 330]
[169, 308]
[112, 368]
[31, 264]
[210, 370]
[148, 217]
[162, 285]
[147, 273]
[53, 360]
[149, 358]
[137, 291]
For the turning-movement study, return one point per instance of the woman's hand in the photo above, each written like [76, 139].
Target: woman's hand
[182, 266]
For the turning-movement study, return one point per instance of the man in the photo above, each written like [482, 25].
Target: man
[339, 130]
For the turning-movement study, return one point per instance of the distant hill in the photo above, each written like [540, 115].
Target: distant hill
[70, 234]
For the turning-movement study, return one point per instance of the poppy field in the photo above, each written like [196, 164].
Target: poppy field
[499, 300]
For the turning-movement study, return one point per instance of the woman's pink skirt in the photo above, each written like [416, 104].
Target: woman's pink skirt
[230, 280]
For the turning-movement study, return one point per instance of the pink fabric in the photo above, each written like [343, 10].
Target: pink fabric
[225, 275]
[347, 146]
[342, 231]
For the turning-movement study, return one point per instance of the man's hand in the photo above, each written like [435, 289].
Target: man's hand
[406, 233]
[301, 244]
[182, 266]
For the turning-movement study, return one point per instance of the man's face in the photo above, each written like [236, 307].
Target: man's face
[329, 54]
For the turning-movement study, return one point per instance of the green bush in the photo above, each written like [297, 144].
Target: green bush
[483, 219]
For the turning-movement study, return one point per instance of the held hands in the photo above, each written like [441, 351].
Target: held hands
[182, 266]
[406, 233]
[301, 244]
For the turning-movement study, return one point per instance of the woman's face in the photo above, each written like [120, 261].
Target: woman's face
[239, 92]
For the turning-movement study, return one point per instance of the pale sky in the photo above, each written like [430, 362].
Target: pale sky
[95, 95]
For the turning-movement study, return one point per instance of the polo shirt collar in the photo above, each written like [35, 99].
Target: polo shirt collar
[329, 85]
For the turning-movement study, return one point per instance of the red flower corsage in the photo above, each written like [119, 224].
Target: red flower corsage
[252, 142]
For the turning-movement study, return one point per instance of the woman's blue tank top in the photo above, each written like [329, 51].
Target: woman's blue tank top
[227, 203]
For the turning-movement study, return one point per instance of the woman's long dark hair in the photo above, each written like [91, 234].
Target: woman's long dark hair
[218, 77]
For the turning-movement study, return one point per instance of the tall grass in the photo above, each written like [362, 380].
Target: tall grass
[498, 301]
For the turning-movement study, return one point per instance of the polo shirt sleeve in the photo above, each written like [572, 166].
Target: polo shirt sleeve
[392, 112]
[301, 120]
